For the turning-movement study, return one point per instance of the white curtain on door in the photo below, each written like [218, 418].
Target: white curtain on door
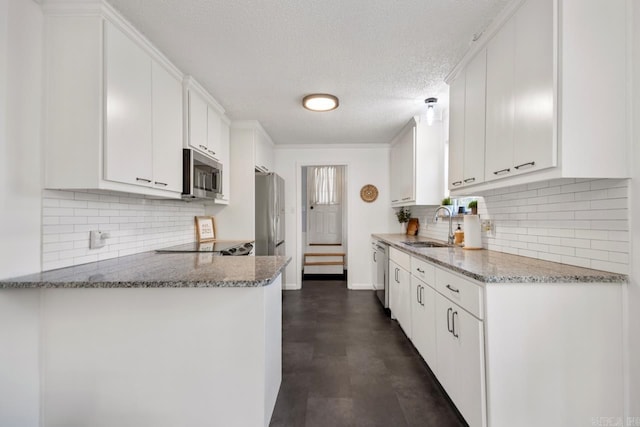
[324, 185]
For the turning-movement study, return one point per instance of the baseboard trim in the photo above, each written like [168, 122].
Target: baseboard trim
[291, 287]
[361, 287]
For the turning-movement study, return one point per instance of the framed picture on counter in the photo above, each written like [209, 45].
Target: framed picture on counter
[205, 228]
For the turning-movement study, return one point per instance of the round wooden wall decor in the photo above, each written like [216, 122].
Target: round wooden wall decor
[369, 193]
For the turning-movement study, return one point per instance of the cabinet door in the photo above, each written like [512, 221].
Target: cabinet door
[469, 395]
[214, 124]
[394, 290]
[500, 108]
[474, 119]
[394, 169]
[128, 140]
[264, 153]
[423, 326]
[225, 159]
[456, 131]
[403, 167]
[445, 350]
[404, 303]
[198, 122]
[167, 129]
[534, 142]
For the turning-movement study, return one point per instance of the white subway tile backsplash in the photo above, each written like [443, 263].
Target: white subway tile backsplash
[136, 224]
[582, 222]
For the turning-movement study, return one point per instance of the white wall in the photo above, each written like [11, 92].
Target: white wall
[633, 295]
[366, 165]
[20, 142]
[20, 187]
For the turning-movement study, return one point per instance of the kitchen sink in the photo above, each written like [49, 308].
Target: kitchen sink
[424, 244]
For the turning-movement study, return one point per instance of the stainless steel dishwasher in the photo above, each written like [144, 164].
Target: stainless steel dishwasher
[380, 271]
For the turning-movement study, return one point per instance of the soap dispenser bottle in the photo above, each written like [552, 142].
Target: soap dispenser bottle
[458, 236]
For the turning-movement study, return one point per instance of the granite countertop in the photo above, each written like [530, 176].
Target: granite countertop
[497, 267]
[151, 270]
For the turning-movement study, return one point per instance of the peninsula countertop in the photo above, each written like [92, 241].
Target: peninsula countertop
[152, 270]
[497, 267]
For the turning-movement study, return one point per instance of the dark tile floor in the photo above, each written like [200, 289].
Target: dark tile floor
[345, 363]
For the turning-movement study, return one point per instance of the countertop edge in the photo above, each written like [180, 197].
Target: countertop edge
[142, 284]
[489, 279]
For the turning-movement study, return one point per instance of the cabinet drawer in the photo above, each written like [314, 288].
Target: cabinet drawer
[465, 293]
[424, 271]
[403, 259]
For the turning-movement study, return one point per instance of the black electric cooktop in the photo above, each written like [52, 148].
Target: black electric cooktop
[223, 247]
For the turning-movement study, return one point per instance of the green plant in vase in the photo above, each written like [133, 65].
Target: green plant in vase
[403, 215]
[473, 205]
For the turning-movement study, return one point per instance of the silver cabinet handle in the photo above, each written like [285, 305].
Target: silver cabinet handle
[418, 294]
[393, 201]
[456, 183]
[453, 324]
[452, 289]
[164, 184]
[420, 270]
[374, 257]
[406, 198]
[204, 147]
[449, 310]
[501, 171]
[525, 164]
[213, 153]
[143, 179]
[469, 180]
[397, 271]
[422, 295]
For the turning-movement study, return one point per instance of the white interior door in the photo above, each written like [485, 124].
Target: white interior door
[324, 205]
[324, 224]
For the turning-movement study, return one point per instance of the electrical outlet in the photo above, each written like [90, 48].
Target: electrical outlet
[488, 227]
[98, 239]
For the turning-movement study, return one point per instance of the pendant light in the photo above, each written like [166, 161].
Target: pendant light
[431, 102]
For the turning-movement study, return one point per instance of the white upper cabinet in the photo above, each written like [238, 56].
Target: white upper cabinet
[128, 127]
[167, 129]
[543, 115]
[417, 157]
[467, 124]
[264, 156]
[197, 119]
[500, 103]
[534, 144]
[456, 131]
[113, 110]
[204, 118]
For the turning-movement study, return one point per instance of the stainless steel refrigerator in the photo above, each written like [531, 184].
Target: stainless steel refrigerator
[269, 214]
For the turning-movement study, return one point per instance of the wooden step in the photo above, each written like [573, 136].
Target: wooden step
[323, 254]
[325, 263]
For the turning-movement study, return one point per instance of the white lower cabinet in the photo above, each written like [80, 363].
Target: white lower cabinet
[400, 288]
[423, 321]
[525, 354]
[460, 359]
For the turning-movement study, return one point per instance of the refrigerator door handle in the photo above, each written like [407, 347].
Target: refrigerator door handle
[279, 243]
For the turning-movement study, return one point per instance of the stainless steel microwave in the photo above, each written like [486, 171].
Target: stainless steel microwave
[201, 176]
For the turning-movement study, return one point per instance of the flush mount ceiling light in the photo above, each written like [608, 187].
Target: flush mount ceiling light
[431, 102]
[320, 102]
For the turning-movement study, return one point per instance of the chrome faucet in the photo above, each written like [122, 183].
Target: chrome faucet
[451, 236]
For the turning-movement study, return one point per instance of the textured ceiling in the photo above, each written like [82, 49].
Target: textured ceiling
[258, 58]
